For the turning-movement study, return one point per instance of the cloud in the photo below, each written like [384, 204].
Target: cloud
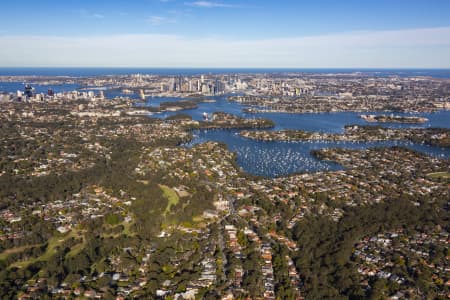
[209, 4]
[413, 48]
[159, 20]
[86, 14]
[98, 16]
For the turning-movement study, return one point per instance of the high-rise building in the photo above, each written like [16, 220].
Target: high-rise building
[206, 89]
[172, 85]
[180, 84]
[28, 91]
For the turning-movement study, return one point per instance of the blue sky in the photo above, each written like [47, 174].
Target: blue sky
[264, 33]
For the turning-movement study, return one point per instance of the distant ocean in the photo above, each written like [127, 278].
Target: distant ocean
[80, 72]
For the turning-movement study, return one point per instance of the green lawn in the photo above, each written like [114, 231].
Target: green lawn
[77, 248]
[51, 250]
[445, 175]
[171, 197]
[126, 230]
[7, 252]
[197, 219]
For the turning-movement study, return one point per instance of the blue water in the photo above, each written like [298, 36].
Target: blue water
[333, 122]
[80, 72]
[156, 101]
[268, 159]
[12, 87]
[221, 104]
[113, 93]
[272, 159]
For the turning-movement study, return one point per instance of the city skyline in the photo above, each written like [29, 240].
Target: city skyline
[169, 33]
[225, 149]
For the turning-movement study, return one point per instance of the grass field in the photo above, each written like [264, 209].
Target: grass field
[445, 175]
[126, 230]
[171, 197]
[51, 250]
[6, 253]
[77, 248]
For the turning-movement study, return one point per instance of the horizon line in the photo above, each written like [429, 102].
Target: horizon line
[226, 68]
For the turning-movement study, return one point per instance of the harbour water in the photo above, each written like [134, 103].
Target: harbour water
[80, 72]
[270, 159]
[12, 87]
[273, 159]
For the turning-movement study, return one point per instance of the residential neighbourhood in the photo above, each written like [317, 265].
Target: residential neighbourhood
[117, 204]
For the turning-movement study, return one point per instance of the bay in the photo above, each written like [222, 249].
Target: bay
[268, 159]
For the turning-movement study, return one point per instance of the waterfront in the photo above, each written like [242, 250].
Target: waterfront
[81, 72]
[324, 122]
[272, 159]
[12, 87]
[182, 180]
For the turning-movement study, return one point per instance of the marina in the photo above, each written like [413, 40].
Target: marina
[279, 158]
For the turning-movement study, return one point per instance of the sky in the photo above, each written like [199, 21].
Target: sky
[226, 33]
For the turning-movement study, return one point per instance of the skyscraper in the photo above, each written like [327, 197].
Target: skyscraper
[28, 91]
